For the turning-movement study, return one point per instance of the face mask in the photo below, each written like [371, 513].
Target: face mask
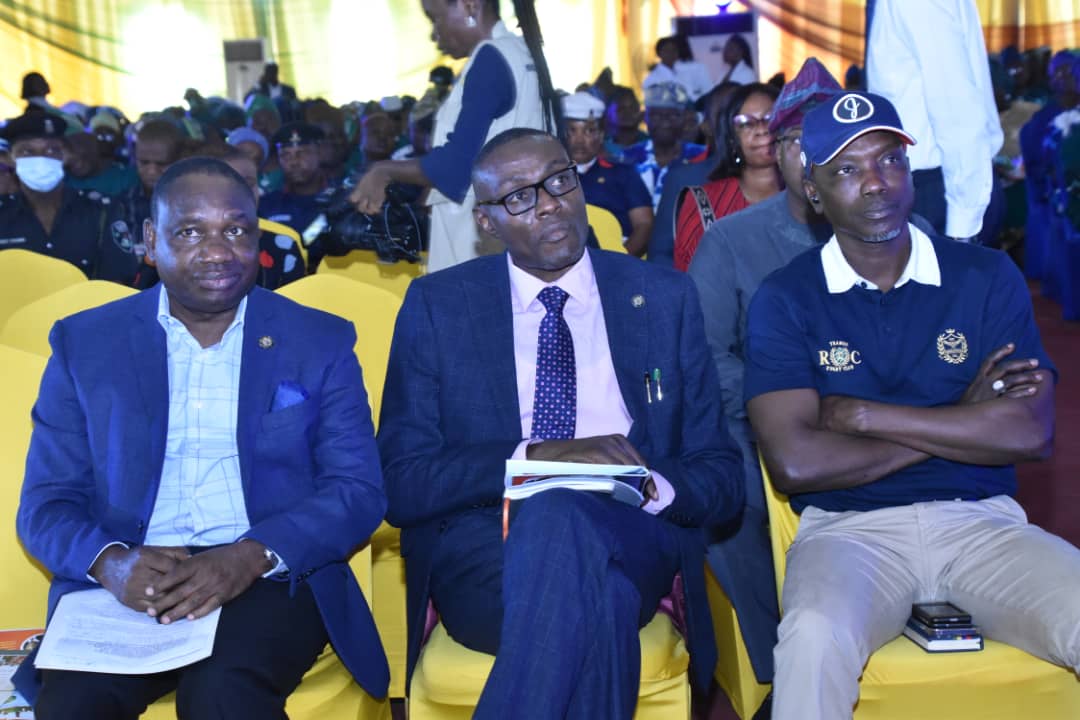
[40, 174]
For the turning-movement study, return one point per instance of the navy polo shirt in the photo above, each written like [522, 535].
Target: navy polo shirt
[617, 188]
[919, 345]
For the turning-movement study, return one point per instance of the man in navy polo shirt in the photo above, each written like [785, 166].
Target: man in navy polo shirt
[893, 380]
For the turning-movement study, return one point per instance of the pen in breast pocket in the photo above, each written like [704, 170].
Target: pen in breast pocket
[648, 388]
[659, 388]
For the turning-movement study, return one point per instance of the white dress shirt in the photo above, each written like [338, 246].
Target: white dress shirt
[200, 499]
[929, 59]
[601, 409]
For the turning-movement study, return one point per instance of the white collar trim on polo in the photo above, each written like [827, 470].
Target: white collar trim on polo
[922, 265]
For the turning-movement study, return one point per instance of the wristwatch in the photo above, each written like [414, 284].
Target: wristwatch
[272, 558]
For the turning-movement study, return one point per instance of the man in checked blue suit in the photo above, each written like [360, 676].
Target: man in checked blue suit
[206, 444]
[541, 353]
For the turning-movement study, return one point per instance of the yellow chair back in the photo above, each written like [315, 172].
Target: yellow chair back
[24, 592]
[363, 266]
[26, 276]
[371, 309]
[607, 228]
[28, 327]
[783, 524]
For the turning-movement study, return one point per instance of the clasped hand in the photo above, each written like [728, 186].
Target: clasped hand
[600, 449]
[1015, 378]
[169, 583]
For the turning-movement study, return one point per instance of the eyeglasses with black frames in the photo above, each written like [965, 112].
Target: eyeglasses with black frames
[522, 200]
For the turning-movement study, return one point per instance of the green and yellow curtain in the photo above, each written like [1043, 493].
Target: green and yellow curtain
[142, 55]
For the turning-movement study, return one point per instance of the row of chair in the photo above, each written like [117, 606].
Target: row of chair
[900, 681]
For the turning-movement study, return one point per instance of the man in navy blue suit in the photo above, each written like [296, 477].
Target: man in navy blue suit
[542, 353]
[206, 444]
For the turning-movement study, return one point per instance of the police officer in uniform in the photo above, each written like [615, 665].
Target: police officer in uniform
[298, 203]
[616, 187]
[45, 216]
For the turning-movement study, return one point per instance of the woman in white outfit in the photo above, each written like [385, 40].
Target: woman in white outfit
[505, 84]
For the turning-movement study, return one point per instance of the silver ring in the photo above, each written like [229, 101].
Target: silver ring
[998, 386]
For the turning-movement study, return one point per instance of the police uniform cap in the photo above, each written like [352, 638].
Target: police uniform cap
[296, 134]
[34, 125]
[582, 106]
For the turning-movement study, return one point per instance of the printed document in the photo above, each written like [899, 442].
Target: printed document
[92, 631]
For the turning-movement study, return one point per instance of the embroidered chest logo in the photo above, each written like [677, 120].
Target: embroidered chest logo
[839, 357]
[952, 347]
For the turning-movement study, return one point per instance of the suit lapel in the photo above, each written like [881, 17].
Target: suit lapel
[626, 316]
[146, 340]
[258, 364]
[492, 323]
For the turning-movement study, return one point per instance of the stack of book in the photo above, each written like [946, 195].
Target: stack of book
[942, 627]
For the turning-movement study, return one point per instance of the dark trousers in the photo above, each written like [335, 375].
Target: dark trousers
[560, 604]
[930, 197]
[740, 557]
[265, 643]
[931, 205]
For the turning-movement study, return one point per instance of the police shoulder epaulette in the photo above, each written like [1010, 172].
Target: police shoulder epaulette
[96, 197]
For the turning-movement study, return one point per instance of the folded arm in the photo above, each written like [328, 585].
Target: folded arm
[802, 456]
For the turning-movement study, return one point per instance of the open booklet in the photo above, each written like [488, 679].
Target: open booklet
[525, 478]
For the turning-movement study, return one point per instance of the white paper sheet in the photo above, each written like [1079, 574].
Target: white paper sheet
[92, 631]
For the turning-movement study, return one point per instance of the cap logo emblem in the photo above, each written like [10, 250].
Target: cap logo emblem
[49, 126]
[295, 138]
[852, 109]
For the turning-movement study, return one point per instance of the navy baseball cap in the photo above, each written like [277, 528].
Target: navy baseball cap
[833, 125]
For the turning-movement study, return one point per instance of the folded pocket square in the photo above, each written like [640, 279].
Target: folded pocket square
[288, 394]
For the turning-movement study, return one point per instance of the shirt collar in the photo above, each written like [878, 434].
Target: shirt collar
[586, 167]
[922, 265]
[171, 323]
[579, 282]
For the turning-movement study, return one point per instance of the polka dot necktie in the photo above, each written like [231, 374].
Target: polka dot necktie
[555, 403]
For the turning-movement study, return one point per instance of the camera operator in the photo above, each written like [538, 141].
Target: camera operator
[504, 84]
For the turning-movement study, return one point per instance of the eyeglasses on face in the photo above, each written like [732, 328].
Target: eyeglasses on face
[746, 121]
[795, 140]
[524, 199]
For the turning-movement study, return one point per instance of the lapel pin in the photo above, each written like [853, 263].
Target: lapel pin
[266, 342]
[638, 301]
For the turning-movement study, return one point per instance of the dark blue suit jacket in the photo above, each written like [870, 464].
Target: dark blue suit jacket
[310, 471]
[450, 416]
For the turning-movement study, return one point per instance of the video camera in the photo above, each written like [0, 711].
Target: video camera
[397, 233]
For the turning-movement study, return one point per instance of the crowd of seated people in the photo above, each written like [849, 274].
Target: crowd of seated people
[773, 200]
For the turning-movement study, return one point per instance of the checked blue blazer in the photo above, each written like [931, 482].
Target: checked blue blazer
[450, 416]
[310, 471]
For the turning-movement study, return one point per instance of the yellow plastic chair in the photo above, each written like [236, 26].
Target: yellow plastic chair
[373, 311]
[734, 673]
[903, 682]
[327, 692]
[449, 677]
[607, 228]
[363, 265]
[25, 276]
[28, 327]
[24, 592]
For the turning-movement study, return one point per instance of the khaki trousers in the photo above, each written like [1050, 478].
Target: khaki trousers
[853, 576]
